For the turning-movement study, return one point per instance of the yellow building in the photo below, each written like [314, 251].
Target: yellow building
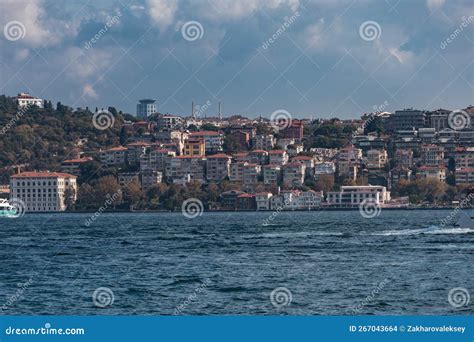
[194, 147]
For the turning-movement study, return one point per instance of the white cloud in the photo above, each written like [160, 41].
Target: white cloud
[88, 91]
[162, 12]
[434, 4]
[230, 9]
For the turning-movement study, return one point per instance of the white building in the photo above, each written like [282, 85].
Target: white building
[43, 191]
[263, 200]
[145, 108]
[25, 100]
[354, 195]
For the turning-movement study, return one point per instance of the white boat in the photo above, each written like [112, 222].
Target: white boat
[6, 209]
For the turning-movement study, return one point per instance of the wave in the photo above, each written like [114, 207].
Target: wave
[429, 230]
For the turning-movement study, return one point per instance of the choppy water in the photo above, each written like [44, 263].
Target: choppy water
[229, 263]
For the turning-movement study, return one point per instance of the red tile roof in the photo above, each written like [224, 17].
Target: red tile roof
[79, 160]
[218, 156]
[276, 152]
[119, 148]
[203, 133]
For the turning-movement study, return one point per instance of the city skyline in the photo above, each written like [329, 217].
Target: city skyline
[316, 58]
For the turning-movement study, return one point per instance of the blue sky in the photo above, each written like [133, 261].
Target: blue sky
[323, 64]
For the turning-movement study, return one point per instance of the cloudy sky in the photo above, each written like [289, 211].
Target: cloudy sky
[319, 58]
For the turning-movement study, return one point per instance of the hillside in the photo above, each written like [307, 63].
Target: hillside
[43, 137]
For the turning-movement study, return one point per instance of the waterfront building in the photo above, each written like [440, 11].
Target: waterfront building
[262, 200]
[44, 191]
[354, 195]
[246, 202]
[73, 166]
[145, 108]
[25, 100]
[218, 167]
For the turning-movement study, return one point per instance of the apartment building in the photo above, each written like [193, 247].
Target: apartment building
[355, 195]
[376, 159]
[156, 160]
[194, 147]
[73, 166]
[293, 174]
[278, 157]
[183, 166]
[464, 175]
[214, 141]
[115, 156]
[44, 191]
[150, 178]
[259, 157]
[25, 100]
[218, 167]
[432, 155]
[464, 157]
[432, 172]
[404, 158]
[237, 171]
[271, 174]
[264, 142]
[348, 158]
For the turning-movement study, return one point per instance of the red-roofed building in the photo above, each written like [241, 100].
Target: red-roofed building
[214, 140]
[73, 166]
[271, 174]
[277, 157]
[44, 191]
[26, 100]
[186, 167]
[293, 131]
[116, 156]
[259, 157]
[432, 172]
[246, 202]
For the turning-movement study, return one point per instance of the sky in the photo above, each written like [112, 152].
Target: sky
[318, 58]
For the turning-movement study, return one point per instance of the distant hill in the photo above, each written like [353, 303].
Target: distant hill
[43, 137]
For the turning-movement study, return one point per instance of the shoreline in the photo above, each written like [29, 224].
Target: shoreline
[124, 211]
